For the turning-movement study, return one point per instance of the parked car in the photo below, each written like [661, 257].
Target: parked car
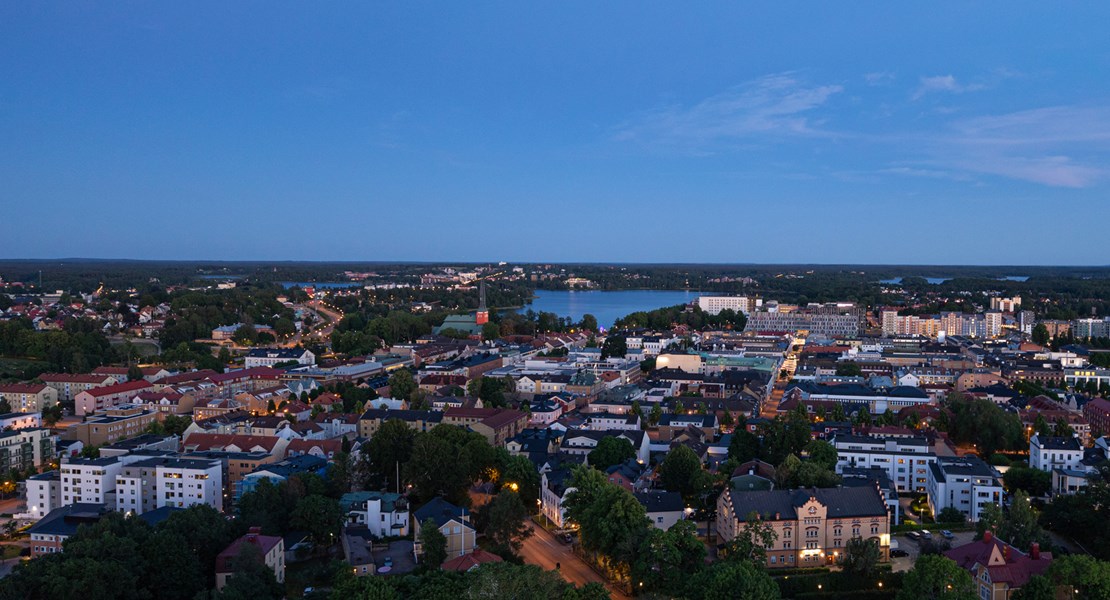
[913, 535]
[566, 538]
[947, 534]
[897, 553]
[926, 534]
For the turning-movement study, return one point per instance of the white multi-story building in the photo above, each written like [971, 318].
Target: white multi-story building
[268, 357]
[90, 480]
[905, 460]
[964, 482]
[715, 304]
[1048, 453]
[44, 494]
[152, 483]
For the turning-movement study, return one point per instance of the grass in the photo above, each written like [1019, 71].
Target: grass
[9, 551]
[15, 368]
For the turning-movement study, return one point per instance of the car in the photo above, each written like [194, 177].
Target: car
[947, 534]
[926, 534]
[566, 538]
[896, 553]
[388, 562]
[913, 535]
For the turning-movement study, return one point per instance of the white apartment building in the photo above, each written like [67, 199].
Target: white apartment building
[90, 480]
[964, 482]
[169, 481]
[1048, 453]
[44, 494]
[905, 460]
[715, 304]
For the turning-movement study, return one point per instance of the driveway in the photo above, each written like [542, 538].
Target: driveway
[542, 549]
[912, 547]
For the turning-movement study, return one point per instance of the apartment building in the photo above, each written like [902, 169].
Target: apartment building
[68, 385]
[812, 526]
[963, 482]
[1047, 453]
[29, 397]
[109, 396]
[115, 424]
[741, 304]
[155, 482]
[90, 480]
[905, 460]
[43, 494]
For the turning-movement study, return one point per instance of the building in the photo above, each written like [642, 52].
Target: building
[281, 471]
[109, 396]
[152, 483]
[20, 420]
[420, 420]
[664, 509]
[453, 522]
[269, 357]
[831, 325]
[29, 397]
[1047, 453]
[497, 425]
[1091, 328]
[383, 513]
[270, 548]
[740, 304]
[1082, 378]
[1006, 305]
[115, 424]
[962, 482]
[43, 494]
[26, 449]
[60, 524]
[68, 386]
[812, 526]
[90, 480]
[997, 568]
[905, 460]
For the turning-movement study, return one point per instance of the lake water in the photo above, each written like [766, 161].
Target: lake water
[321, 285]
[606, 306]
[940, 280]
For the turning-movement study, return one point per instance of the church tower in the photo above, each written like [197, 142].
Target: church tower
[483, 313]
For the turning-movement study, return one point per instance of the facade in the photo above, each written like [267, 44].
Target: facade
[1084, 377]
[68, 386]
[115, 424]
[813, 526]
[109, 396]
[664, 509]
[497, 425]
[383, 513]
[832, 325]
[741, 304]
[29, 397]
[997, 568]
[268, 357]
[152, 483]
[420, 420]
[905, 460]
[26, 449]
[43, 494]
[453, 522]
[1048, 453]
[965, 483]
[90, 480]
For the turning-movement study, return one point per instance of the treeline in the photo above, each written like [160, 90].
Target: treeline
[695, 318]
[77, 348]
[195, 314]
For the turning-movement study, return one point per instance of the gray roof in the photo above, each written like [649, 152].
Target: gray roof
[841, 502]
[660, 501]
[1059, 443]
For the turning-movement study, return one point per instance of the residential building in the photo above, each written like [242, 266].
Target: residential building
[26, 449]
[452, 521]
[29, 397]
[663, 508]
[997, 568]
[90, 480]
[113, 425]
[420, 420]
[497, 425]
[740, 304]
[268, 357]
[68, 385]
[1097, 412]
[384, 514]
[109, 396]
[281, 471]
[152, 483]
[812, 526]
[20, 420]
[43, 494]
[271, 548]
[1047, 453]
[905, 460]
[963, 482]
[580, 442]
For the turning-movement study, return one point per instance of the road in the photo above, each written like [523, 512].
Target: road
[542, 549]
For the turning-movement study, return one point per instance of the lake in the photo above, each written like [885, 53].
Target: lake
[940, 280]
[322, 285]
[606, 306]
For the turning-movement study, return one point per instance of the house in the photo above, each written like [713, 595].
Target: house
[281, 471]
[997, 568]
[270, 548]
[230, 442]
[115, 424]
[268, 357]
[160, 481]
[628, 474]
[963, 482]
[29, 397]
[165, 403]
[383, 513]
[420, 420]
[553, 493]
[580, 442]
[326, 449]
[664, 509]
[812, 526]
[671, 424]
[68, 386]
[1047, 453]
[48, 535]
[905, 459]
[497, 425]
[452, 521]
[120, 374]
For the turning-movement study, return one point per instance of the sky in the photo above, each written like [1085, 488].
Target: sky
[738, 132]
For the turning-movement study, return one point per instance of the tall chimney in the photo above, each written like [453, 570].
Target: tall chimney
[1035, 551]
[988, 536]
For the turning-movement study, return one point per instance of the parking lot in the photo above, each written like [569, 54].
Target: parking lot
[913, 548]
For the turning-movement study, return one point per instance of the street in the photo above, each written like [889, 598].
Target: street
[542, 549]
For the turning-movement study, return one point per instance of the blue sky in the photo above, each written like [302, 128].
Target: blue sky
[945, 133]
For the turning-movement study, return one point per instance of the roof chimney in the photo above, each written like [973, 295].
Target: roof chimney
[988, 536]
[1035, 551]
[1006, 552]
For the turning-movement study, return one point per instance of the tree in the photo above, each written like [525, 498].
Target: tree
[664, 559]
[490, 331]
[848, 369]
[990, 519]
[504, 518]
[1034, 482]
[1020, 527]
[1038, 587]
[732, 581]
[389, 448]
[1040, 334]
[861, 557]
[401, 384]
[951, 514]
[655, 414]
[822, 454]
[1089, 577]
[681, 472]
[608, 516]
[433, 543]
[935, 577]
[588, 322]
[250, 577]
[176, 425]
[284, 327]
[50, 415]
[614, 346]
[264, 507]
[519, 471]
[744, 446]
[320, 516]
[134, 373]
[611, 450]
[245, 335]
[751, 543]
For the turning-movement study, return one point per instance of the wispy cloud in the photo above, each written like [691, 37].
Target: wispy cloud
[878, 78]
[775, 105]
[945, 83]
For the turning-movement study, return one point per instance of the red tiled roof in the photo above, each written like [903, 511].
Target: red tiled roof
[1011, 566]
[22, 388]
[119, 388]
[187, 377]
[328, 447]
[220, 441]
[265, 544]
[70, 378]
[469, 561]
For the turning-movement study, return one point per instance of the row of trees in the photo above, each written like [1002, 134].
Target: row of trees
[78, 347]
[696, 318]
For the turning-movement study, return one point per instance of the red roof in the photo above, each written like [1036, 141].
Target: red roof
[119, 388]
[187, 377]
[220, 441]
[251, 373]
[70, 378]
[22, 388]
[265, 544]
[1005, 563]
[469, 561]
[327, 447]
